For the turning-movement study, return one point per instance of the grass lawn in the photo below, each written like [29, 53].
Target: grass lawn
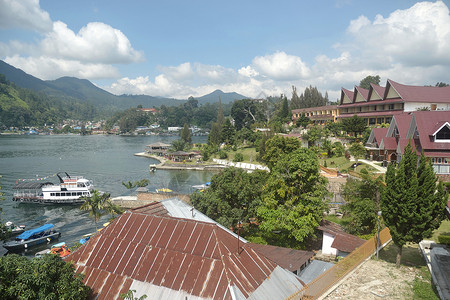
[249, 154]
[444, 228]
[412, 257]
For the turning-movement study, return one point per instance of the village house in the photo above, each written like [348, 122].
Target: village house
[165, 257]
[318, 115]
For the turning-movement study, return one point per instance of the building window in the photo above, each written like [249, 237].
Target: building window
[433, 106]
[443, 134]
[372, 121]
[390, 106]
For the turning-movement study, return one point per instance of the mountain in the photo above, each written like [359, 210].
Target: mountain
[82, 90]
[224, 97]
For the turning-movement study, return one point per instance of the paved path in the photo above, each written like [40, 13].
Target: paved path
[379, 168]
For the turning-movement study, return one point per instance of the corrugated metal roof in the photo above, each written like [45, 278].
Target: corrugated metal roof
[177, 208]
[171, 258]
[314, 270]
[287, 258]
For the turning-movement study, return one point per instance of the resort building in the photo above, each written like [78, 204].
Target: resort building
[427, 131]
[319, 115]
[379, 104]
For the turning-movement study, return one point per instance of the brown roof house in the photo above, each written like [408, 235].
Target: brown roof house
[176, 258]
[337, 242]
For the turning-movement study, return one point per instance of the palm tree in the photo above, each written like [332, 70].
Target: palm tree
[99, 204]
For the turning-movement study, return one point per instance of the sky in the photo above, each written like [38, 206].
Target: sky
[178, 49]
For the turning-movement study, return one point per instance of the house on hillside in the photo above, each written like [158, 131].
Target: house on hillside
[337, 242]
[165, 257]
[427, 131]
[318, 115]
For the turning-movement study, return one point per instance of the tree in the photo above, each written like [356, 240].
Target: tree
[441, 84]
[98, 205]
[355, 125]
[357, 150]
[245, 112]
[293, 198]
[311, 97]
[214, 136]
[185, 134]
[303, 121]
[362, 202]
[277, 146]
[314, 135]
[228, 133]
[233, 196]
[365, 83]
[179, 145]
[284, 113]
[412, 203]
[220, 115]
[295, 100]
[48, 277]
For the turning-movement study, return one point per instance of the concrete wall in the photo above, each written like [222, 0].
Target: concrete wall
[326, 244]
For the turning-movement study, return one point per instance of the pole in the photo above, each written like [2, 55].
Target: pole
[378, 235]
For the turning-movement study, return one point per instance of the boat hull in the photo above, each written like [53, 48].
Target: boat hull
[48, 201]
[17, 246]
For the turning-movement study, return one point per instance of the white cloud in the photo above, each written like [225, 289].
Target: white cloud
[48, 68]
[281, 66]
[25, 14]
[182, 72]
[95, 42]
[418, 36]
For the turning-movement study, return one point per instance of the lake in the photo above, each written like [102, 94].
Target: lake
[106, 160]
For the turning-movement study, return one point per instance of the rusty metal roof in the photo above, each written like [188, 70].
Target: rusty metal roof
[173, 258]
[287, 258]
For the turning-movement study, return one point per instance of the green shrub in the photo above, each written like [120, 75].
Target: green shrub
[238, 157]
[223, 154]
[444, 239]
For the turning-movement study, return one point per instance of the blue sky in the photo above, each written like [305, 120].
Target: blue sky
[190, 48]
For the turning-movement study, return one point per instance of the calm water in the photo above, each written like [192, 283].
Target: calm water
[106, 160]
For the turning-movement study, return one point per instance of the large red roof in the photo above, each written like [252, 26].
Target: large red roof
[427, 94]
[175, 258]
[427, 123]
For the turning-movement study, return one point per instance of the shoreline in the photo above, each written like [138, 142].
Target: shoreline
[163, 164]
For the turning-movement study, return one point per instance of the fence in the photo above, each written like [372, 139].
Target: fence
[324, 282]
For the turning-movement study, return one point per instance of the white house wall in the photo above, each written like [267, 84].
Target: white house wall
[326, 244]
[413, 106]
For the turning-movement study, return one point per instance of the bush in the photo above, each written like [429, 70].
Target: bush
[223, 154]
[444, 239]
[238, 157]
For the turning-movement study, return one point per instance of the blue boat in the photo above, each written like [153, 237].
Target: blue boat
[33, 237]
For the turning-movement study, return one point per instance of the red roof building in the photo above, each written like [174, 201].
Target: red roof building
[379, 104]
[173, 258]
[427, 131]
[336, 241]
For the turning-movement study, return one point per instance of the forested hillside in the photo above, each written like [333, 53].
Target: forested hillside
[21, 107]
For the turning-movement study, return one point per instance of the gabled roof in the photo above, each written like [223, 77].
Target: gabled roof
[379, 134]
[376, 92]
[173, 258]
[388, 143]
[427, 94]
[360, 91]
[290, 259]
[343, 241]
[346, 93]
[427, 124]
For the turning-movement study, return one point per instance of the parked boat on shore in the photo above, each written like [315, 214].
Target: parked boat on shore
[70, 190]
[33, 237]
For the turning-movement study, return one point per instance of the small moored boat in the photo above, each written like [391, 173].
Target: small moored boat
[33, 237]
[14, 229]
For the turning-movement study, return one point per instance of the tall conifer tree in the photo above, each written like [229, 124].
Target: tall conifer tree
[412, 203]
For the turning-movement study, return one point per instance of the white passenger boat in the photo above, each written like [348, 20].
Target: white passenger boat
[70, 190]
